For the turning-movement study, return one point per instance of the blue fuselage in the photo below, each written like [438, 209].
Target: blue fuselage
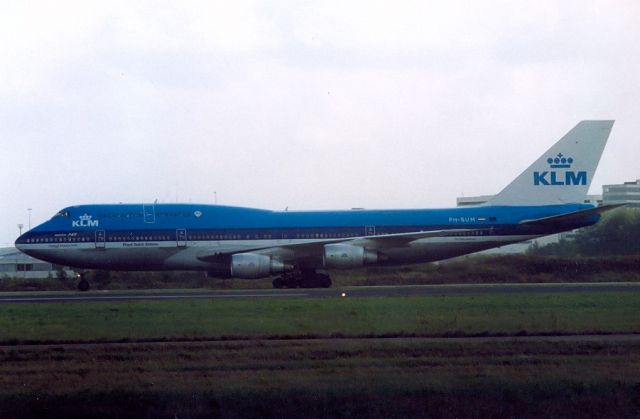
[176, 236]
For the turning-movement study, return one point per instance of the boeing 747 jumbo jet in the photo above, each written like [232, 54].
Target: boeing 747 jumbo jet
[547, 198]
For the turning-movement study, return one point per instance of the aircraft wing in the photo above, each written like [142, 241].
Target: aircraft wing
[402, 239]
[310, 248]
[571, 216]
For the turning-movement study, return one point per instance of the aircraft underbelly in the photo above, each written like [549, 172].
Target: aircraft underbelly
[187, 257]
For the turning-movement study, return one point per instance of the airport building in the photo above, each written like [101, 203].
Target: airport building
[15, 264]
[625, 193]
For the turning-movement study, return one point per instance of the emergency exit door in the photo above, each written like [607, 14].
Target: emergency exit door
[100, 239]
[181, 237]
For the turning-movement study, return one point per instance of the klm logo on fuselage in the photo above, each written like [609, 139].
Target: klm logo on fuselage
[558, 177]
[84, 221]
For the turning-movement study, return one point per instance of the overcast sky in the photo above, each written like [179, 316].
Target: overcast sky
[303, 104]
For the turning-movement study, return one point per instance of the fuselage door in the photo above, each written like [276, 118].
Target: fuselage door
[370, 231]
[181, 237]
[149, 211]
[100, 239]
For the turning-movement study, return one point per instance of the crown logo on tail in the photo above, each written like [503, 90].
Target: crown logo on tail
[560, 162]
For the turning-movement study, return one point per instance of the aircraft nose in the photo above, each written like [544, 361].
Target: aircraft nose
[21, 241]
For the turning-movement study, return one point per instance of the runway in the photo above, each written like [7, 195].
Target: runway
[350, 292]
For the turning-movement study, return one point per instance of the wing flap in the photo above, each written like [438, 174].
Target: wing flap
[404, 239]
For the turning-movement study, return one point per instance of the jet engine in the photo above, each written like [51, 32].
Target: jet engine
[344, 256]
[253, 265]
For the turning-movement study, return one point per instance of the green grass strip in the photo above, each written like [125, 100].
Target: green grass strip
[249, 318]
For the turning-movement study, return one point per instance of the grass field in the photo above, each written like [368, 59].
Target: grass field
[323, 378]
[337, 359]
[260, 318]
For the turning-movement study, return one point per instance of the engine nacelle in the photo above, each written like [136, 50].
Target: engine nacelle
[344, 256]
[253, 265]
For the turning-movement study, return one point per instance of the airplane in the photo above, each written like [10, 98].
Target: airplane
[297, 248]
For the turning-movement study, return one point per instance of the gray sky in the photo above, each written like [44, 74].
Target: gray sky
[310, 105]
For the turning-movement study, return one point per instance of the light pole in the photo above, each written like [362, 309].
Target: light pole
[29, 209]
[20, 228]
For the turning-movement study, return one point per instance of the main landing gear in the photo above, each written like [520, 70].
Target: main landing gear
[83, 285]
[302, 279]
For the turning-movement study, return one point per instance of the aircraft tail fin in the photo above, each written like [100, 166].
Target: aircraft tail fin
[563, 173]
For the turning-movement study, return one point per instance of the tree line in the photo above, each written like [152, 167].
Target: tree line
[616, 234]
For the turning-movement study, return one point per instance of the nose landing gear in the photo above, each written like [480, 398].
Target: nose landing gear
[83, 285]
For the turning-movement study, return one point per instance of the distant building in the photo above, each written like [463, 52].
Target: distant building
[15, 264]
[594, 200]
[625, 193]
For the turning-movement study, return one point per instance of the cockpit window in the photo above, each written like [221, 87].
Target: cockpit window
[63, 213]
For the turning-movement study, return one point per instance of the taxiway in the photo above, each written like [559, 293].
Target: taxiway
[350, 292]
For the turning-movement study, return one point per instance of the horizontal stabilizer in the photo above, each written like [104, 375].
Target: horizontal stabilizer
[571, 216]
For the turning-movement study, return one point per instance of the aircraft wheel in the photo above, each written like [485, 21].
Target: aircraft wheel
[291, 281]
[83, 285]
[323, 280]
[316, 281]
[278, 282]
[308, 282]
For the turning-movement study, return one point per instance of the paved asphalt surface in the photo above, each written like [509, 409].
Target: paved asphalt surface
[355, 292]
